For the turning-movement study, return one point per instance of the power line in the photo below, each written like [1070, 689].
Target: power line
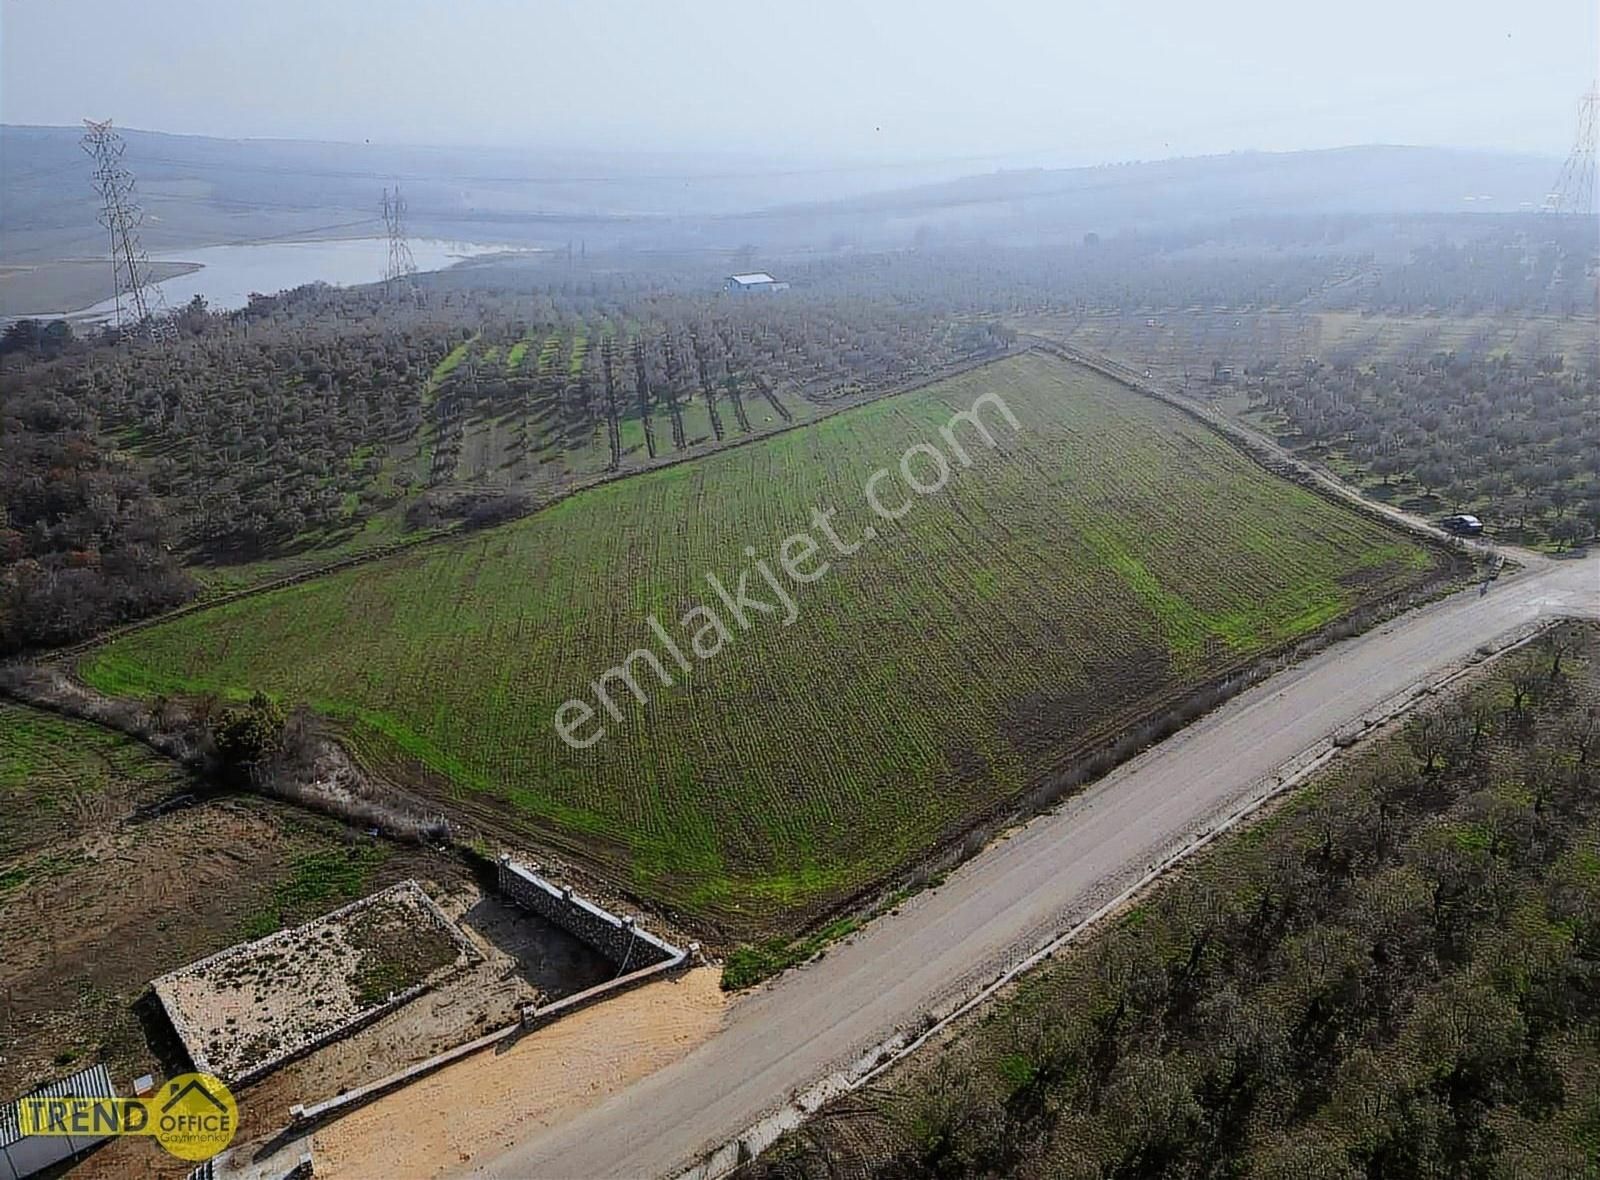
[581, 178]
[212, 201]
[121, 215]
[292, 237]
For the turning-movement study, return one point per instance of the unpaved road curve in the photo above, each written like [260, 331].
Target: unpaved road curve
[945, 944]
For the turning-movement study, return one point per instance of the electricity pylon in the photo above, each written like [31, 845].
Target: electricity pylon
[137, 299]
[1574, 191]
[401, 265]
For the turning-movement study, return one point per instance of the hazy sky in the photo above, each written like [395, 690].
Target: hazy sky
[815, 79]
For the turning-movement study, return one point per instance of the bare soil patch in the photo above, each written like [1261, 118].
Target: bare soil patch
[487, 1103]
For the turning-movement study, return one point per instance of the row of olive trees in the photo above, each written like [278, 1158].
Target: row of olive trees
[1511, 439]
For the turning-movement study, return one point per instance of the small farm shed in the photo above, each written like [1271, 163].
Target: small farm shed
[755, 281]
[23, 1155]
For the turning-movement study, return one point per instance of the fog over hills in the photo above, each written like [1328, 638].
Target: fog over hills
[198, 190]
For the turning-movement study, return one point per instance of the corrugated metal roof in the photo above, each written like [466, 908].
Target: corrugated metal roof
[94, 1082]
[759, 276]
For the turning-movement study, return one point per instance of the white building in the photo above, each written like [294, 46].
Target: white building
[755, 281]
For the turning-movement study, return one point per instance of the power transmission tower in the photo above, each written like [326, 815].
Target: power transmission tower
[402, 266]
[1574, 191]
[137, 298]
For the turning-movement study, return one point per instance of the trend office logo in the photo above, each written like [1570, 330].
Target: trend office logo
[194, 1117]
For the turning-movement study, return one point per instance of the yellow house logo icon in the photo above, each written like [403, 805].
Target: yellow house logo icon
[196, 1116]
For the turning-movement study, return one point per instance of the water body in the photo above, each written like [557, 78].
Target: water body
[229, 275]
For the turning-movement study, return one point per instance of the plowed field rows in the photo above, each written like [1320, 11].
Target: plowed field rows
[1101, 561]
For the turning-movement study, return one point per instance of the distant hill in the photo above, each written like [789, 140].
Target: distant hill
[1370, 180]
[198, 190]
[1374, 178]
[201, 190]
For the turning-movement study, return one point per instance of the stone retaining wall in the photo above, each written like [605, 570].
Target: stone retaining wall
[622, 940]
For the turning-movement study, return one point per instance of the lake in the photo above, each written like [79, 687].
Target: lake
[228, 275]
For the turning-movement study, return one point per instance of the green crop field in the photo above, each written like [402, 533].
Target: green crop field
[60, 777]
[1105, 559]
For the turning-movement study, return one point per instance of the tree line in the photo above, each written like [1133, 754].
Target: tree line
[1511, 439]
[289, 425]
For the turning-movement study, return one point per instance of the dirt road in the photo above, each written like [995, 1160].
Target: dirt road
[945, 944]
[483, 1104]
